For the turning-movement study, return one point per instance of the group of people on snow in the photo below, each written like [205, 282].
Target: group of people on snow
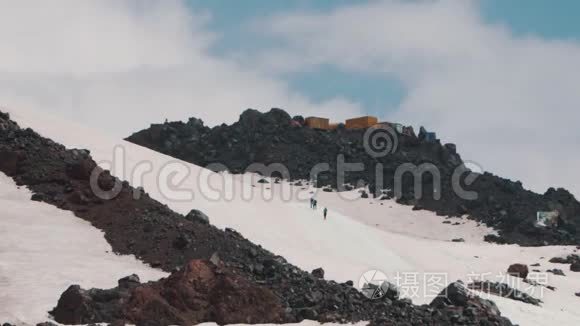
[314, 204]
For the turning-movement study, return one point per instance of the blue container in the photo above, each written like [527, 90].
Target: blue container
[430, 136]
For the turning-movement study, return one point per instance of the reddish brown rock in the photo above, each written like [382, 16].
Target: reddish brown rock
[198, 293]
[201, 292]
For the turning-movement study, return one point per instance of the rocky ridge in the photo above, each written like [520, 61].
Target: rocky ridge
[275, 137]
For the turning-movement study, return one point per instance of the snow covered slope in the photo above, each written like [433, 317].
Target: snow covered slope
[43, 250]
[358, 236]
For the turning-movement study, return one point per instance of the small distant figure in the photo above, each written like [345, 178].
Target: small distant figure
[311, 202]
[325, 212]
[315, 204]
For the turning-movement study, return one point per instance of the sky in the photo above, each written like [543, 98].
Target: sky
[498, 78]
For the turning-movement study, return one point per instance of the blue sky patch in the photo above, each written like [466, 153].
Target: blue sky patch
[377, 94]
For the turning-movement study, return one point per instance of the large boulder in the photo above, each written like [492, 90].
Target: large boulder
[278, 116]
[456, 294]
[197, 216]
[199, 292]
[575, 267]
[74, 307]
[390, 290]
[459, 298]
[518, 270]
[318, 273]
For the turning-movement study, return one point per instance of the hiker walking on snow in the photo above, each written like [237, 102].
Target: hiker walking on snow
[325, 212]
[315, 203]
[311, 202]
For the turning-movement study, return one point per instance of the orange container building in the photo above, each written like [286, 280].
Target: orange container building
[361, 122]
[317, 123]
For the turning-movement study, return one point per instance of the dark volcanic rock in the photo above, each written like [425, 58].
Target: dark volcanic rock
[75, 307]
[273, 137]
[10, 161]
[464, 303]
[82, 168]
[129, 281]
[518, 270]
[318, 273]
[570, 259]
[503, 290]
[197, 216]
[573, 260]
[495, 239]
[556, 271]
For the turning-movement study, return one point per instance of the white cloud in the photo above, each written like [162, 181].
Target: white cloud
[509, 102]
[120, 65]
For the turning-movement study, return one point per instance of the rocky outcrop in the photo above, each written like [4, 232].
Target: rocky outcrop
[318, 273]
[573, 260]
[570, 259]
[200, 292]
[273, 137]
[467, 306]
[503, 290]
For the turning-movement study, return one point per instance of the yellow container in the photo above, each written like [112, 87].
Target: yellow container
[317, 123]
[361, 122]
